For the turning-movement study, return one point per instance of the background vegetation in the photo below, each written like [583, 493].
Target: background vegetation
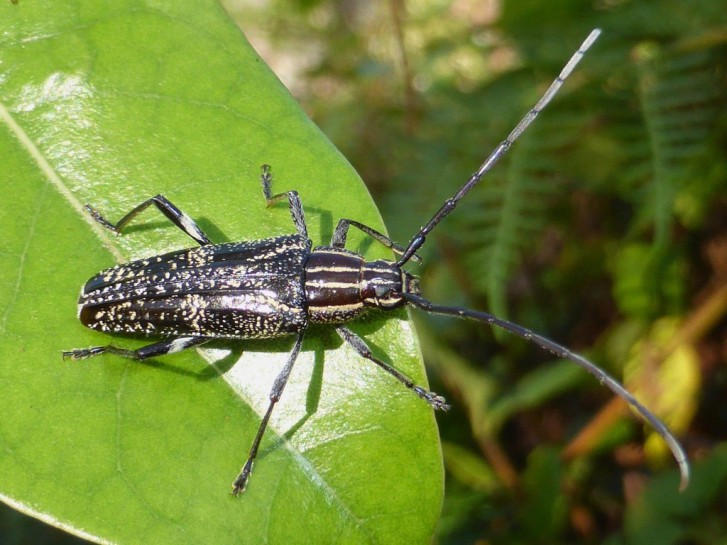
[605, 229]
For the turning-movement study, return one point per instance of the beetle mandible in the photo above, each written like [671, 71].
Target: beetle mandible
[278, 286]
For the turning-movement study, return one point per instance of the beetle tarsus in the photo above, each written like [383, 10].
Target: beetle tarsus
[83, 353]
[238, 487]
[435, 400]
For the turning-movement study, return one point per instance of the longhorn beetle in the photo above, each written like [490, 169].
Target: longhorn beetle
[277, 286]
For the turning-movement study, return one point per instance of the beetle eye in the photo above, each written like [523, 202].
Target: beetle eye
[383, 292]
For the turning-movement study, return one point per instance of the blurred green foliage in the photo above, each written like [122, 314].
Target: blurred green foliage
[605, 229]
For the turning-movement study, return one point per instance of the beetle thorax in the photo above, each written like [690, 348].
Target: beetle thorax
[340, 285]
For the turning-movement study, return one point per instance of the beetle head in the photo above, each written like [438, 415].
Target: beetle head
[383, 284]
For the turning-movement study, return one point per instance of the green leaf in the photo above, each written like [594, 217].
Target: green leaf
[110, 103]
[533, 389]
[545, 514]
[663, 515]
[469, 468]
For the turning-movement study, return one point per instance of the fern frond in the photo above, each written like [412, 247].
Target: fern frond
[512, 208]
[677, 93]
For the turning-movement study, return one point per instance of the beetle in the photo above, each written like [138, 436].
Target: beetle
[278, 286]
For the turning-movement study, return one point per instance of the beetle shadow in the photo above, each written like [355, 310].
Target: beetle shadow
[312, 397]
[214, 370]
[207, 226]
[235, 350]
[322, 343]
[313, 392]
[326, 339]
[320, 339]
[207, 373]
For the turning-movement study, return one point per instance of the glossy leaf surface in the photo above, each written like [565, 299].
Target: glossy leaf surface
[110, 103]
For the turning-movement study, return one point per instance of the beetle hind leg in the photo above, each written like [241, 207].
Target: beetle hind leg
[174, 214]
[149, 351]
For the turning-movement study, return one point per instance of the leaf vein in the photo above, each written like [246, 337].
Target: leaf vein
[52, 176]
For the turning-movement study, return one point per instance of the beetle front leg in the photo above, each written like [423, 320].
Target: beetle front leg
[149, 351]
[238, 486]
[338, 240]
[175, 215]
[358, 344]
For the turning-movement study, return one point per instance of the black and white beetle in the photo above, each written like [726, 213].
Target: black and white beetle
[277, 286]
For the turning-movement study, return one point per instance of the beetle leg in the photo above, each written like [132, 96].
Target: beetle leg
[358, 344]
[175, 215]
[341, 233]
[149, 351]
[296, 208]
[238, 486]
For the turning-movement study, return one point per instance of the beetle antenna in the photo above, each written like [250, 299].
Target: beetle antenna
[562, 352]
[418, 240]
